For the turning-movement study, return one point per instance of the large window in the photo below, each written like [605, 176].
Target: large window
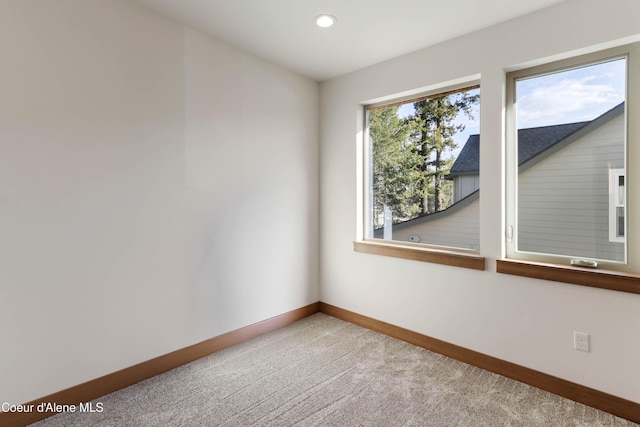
[569, 155]
[422, 170]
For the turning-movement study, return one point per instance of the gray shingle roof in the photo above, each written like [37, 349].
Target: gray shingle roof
[531, 142]
[469, 158]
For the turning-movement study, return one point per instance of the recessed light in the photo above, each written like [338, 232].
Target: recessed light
[325, 21]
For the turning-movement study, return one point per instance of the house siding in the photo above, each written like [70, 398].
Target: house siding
[460, 229]
[465, 185]
[563, 201]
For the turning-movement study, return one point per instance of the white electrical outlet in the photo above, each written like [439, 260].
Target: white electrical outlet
[580, 341]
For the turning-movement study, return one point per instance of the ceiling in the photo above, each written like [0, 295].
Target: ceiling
[366, 32]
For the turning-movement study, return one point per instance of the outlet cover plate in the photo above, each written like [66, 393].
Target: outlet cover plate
[581, 341]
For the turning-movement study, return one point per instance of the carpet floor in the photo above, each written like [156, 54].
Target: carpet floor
[321, 371]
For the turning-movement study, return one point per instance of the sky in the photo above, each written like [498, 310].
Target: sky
[571, 96]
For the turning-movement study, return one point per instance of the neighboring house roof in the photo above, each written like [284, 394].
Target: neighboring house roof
[531, 142]
[468, 161]
[534, 145]
[378, 232]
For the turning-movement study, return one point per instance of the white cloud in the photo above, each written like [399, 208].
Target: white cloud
[565, 100]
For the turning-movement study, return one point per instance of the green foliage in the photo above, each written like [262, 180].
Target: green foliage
[434, 127]
[397, 179]
[412, 155]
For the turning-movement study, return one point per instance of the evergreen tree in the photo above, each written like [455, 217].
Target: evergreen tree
[396, 167]
[433, 127]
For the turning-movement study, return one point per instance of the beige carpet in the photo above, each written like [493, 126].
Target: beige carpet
[322, 371]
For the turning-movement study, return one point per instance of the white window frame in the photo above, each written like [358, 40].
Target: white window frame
[414, 249]
[368, 160]
[632, 158]
[616, 201]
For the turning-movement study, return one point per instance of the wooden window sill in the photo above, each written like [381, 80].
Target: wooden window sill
[604, 279]
[437, 256]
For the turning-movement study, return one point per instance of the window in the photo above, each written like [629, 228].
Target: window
[568, 157]
[422, 171]
[616, 205]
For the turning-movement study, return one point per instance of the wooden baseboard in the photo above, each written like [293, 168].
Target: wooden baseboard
[124, 378]
[112, 382]
[597, 399]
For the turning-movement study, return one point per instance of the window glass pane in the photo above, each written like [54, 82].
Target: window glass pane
[424, 171]
[570, 138]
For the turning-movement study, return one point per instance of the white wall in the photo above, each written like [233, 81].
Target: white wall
[522, 320]
[157, 188]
